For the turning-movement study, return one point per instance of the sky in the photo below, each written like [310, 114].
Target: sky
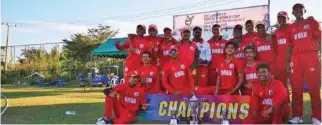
[46, 21]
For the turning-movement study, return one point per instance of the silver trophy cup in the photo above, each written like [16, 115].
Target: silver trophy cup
[224, 120]
[174, 120]
[195, 105]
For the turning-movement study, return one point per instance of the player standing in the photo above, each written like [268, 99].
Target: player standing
[230, 72]
[251, 64]
[154, 43]
[302, 53]
[203, 59]
[249, 37]
[187, 49]
[149, 75]
[238, 39]
[217, 44]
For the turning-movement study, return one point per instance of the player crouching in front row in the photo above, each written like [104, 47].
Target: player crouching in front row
[269, 100]
[125, 100]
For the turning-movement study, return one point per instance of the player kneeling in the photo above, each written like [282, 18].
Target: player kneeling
[269, 101]
[125, 100]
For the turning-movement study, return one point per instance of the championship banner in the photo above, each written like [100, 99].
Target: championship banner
[227, 19]
[210, 111]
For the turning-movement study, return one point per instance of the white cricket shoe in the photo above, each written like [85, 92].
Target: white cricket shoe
[316, 121]
[295, 120]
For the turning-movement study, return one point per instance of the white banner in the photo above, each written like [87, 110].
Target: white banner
[227, 19]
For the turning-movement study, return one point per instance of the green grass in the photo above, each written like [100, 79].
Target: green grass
[46, 105]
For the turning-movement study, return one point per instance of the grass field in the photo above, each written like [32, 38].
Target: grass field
[46, 105]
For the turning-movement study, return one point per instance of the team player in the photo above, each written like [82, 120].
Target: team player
[140, 44]
[230, 72]
[269, 100]
[250, 36]
[187, 49]
[251, 64]
[217, 44]
[304, 46]
[178, 79]
[238, 39]
[203, 59]
[149, 75]
[125, 100]
[154, 43]
[265, 49]
[164, 52]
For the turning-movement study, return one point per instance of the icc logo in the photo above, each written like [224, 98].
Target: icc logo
[188, 21]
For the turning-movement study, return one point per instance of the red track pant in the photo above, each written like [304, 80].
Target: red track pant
[212, 77]
[306, 65]
[282, 75]
[122, 115]
[202, 74]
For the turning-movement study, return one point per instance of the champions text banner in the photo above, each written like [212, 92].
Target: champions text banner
[210, 112]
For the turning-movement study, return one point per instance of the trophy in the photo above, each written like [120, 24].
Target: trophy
[174, 120]
[194, 104]
[224, 120]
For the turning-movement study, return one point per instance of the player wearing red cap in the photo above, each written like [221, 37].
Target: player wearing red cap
[266, 51]
[154, 43]
[250, 70]
[140, 45]
[217, 44]
[269, 100]
[238, 39]
[178, 79]
[149, 75]
[304, 46]
[204, 57]
[125, 100]
[281, 39]
[187, 49]
[230, 72]
[249, 37]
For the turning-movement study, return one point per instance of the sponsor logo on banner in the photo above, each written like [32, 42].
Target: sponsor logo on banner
[188, 20]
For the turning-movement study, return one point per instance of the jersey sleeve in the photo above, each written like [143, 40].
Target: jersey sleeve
[239, 66]
[289, 36]
[143, 99]
[280, 94]
[118, 88]
[254, 99]
[165, 79]
[124, 46]
[316, 30]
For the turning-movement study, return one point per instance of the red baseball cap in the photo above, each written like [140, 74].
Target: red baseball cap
[185, 30]
[238, 27]
[133, 73]
[283, 14]
[141, 25]
[153, 26]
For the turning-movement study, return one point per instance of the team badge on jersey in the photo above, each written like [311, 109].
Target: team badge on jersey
[217, 44]
[231, 65]
[203, 75]
[182, 66]
[126, 69]
[136, 94]
[270, 92]
[141, 46]
[151, 73]
[191, 48]
[222, 45]
[306, 26]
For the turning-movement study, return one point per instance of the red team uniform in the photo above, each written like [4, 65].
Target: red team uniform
[152, 76]
[217, 51]
[202, 69]
[127, 105]
[165, 52]
[228, 73]
[141, 44]
[250, 77]
[250, 37]
[305, 38]
[187, 53]
[240, 50]
[266, 53]
[273, 94]
[156, 42]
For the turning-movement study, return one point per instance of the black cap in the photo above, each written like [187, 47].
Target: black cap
[166, 28]
[298, 5]
[196, 28]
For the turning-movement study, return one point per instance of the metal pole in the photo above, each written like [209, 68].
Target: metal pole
[7, 44]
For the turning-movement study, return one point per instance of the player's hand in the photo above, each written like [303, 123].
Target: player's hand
[117, 43]
[288, 67]
[215, 93]
[249, 85]
[114, 94]
[267, 112]
[310, 18]
[177, 93]
[193, 91]
[194, 72]
[145, 106]
[143, 80]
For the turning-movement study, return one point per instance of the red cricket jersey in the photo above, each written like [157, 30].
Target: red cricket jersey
[240, 49]
[305, 36]
[156, 42]
[250, 37]
[141, 44]
[217, 51]
[130, 98]
[265, 50]
[177, 76]
[228, 73]
[250, 76]
[187, 53]
[152, 76]
[165, 52]
[281, 40]
[272, 94]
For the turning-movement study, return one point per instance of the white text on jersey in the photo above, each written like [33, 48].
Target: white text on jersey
[178, 74]
[251, 76]
[226, 73]
[130, 100]
[281, 41]
[263, 48]
[267, 102]
[300, 35]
